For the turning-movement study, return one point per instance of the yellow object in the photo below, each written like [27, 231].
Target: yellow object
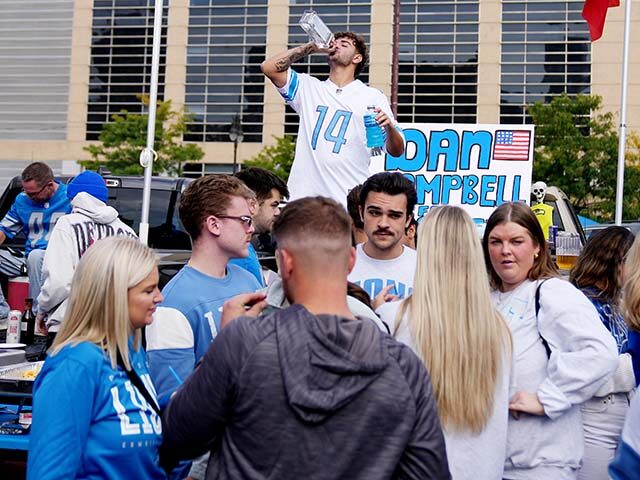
[31, 374]
[544, 213]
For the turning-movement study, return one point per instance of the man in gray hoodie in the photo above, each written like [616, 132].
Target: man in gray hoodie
[309, 391]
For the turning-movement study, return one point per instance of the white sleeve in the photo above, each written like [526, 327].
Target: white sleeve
[60, 260]
[387, 313]
[290, 90]
[583, 352]
[623, 380]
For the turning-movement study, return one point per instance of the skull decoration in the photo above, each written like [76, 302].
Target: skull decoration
[539, 189]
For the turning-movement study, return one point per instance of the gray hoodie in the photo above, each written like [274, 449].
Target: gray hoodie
[293, 395]
[89, 221]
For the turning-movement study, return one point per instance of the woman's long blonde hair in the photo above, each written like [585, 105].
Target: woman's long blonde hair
[461, 338]
[98, 310]
[632, 286]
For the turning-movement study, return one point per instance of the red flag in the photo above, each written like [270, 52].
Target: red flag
[595, 12]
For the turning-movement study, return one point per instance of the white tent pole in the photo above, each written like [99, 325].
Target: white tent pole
[622, 140]
[148, 154]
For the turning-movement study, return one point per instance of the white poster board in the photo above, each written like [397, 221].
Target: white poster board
[477, 167]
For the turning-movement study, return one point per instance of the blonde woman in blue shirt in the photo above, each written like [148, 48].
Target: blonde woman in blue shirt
[95, 414]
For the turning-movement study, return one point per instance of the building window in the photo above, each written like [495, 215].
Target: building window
[438, 61]
[545, 52]
[227, 43]
[121, 44]
[35, 60]
[339, 16]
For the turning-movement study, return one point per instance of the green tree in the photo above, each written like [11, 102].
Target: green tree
[276, 158]
[577, 150]
[122, 140]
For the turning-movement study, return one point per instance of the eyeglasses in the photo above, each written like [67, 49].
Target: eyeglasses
[246, 220]
[35, 194]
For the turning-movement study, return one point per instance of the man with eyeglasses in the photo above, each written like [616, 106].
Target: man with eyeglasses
[331, 152]
[35, 211]
[216, 211]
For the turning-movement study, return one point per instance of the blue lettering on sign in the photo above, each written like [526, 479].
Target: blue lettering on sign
[457, 152]
[474, 190]
[444, 144]
[423, 186]
[416, 162]
[450, 182]
[487, 186]
[482, 142]
[469, 195]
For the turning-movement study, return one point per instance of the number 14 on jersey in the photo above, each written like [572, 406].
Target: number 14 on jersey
[335, 129]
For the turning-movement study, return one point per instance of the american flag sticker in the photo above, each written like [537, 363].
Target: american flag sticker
[512, 145]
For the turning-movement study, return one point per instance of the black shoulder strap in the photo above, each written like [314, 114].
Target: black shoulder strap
[138, 383]
[544, 342]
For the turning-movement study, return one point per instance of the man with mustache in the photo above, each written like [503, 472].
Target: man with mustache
[384, 266]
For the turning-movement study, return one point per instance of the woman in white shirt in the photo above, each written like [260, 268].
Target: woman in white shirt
[562, 351]
[451, 324]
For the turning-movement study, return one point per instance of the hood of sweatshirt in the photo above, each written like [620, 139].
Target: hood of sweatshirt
[93, 208]
[326, 360]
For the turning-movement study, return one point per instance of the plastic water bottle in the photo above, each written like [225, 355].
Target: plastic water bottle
[375, 133]
[316, 29]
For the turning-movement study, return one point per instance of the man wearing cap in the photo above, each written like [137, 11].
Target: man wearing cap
[35, 211]
[90, 220]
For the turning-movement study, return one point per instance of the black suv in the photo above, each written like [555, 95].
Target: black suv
[166, 233]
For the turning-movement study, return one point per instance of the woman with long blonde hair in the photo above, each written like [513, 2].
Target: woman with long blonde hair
[450, 322]
[95, 414]
[626, 463]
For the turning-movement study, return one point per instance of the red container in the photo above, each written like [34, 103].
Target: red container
[17, 292]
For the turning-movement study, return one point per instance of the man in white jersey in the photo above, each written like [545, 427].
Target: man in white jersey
[384, 266]
[331, 152]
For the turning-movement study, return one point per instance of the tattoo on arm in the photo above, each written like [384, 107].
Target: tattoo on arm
[282, 64]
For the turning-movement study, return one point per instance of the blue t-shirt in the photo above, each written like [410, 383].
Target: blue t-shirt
[251, 264]
[35, 219]
[187, 320]
[90, 422]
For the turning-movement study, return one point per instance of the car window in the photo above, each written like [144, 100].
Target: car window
[165, 229]
[557, 219]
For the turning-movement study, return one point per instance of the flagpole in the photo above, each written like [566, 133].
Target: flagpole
[622, 140]
[148, 155]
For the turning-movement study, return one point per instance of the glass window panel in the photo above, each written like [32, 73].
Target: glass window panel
[121, 58]
[234, 32]
[35, 59]
[445, 37]
[556, 41]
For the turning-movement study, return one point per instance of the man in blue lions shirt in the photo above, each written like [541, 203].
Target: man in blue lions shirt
[216, 212]
[35, 212]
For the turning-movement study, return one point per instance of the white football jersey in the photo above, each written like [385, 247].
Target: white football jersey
[331, 151]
